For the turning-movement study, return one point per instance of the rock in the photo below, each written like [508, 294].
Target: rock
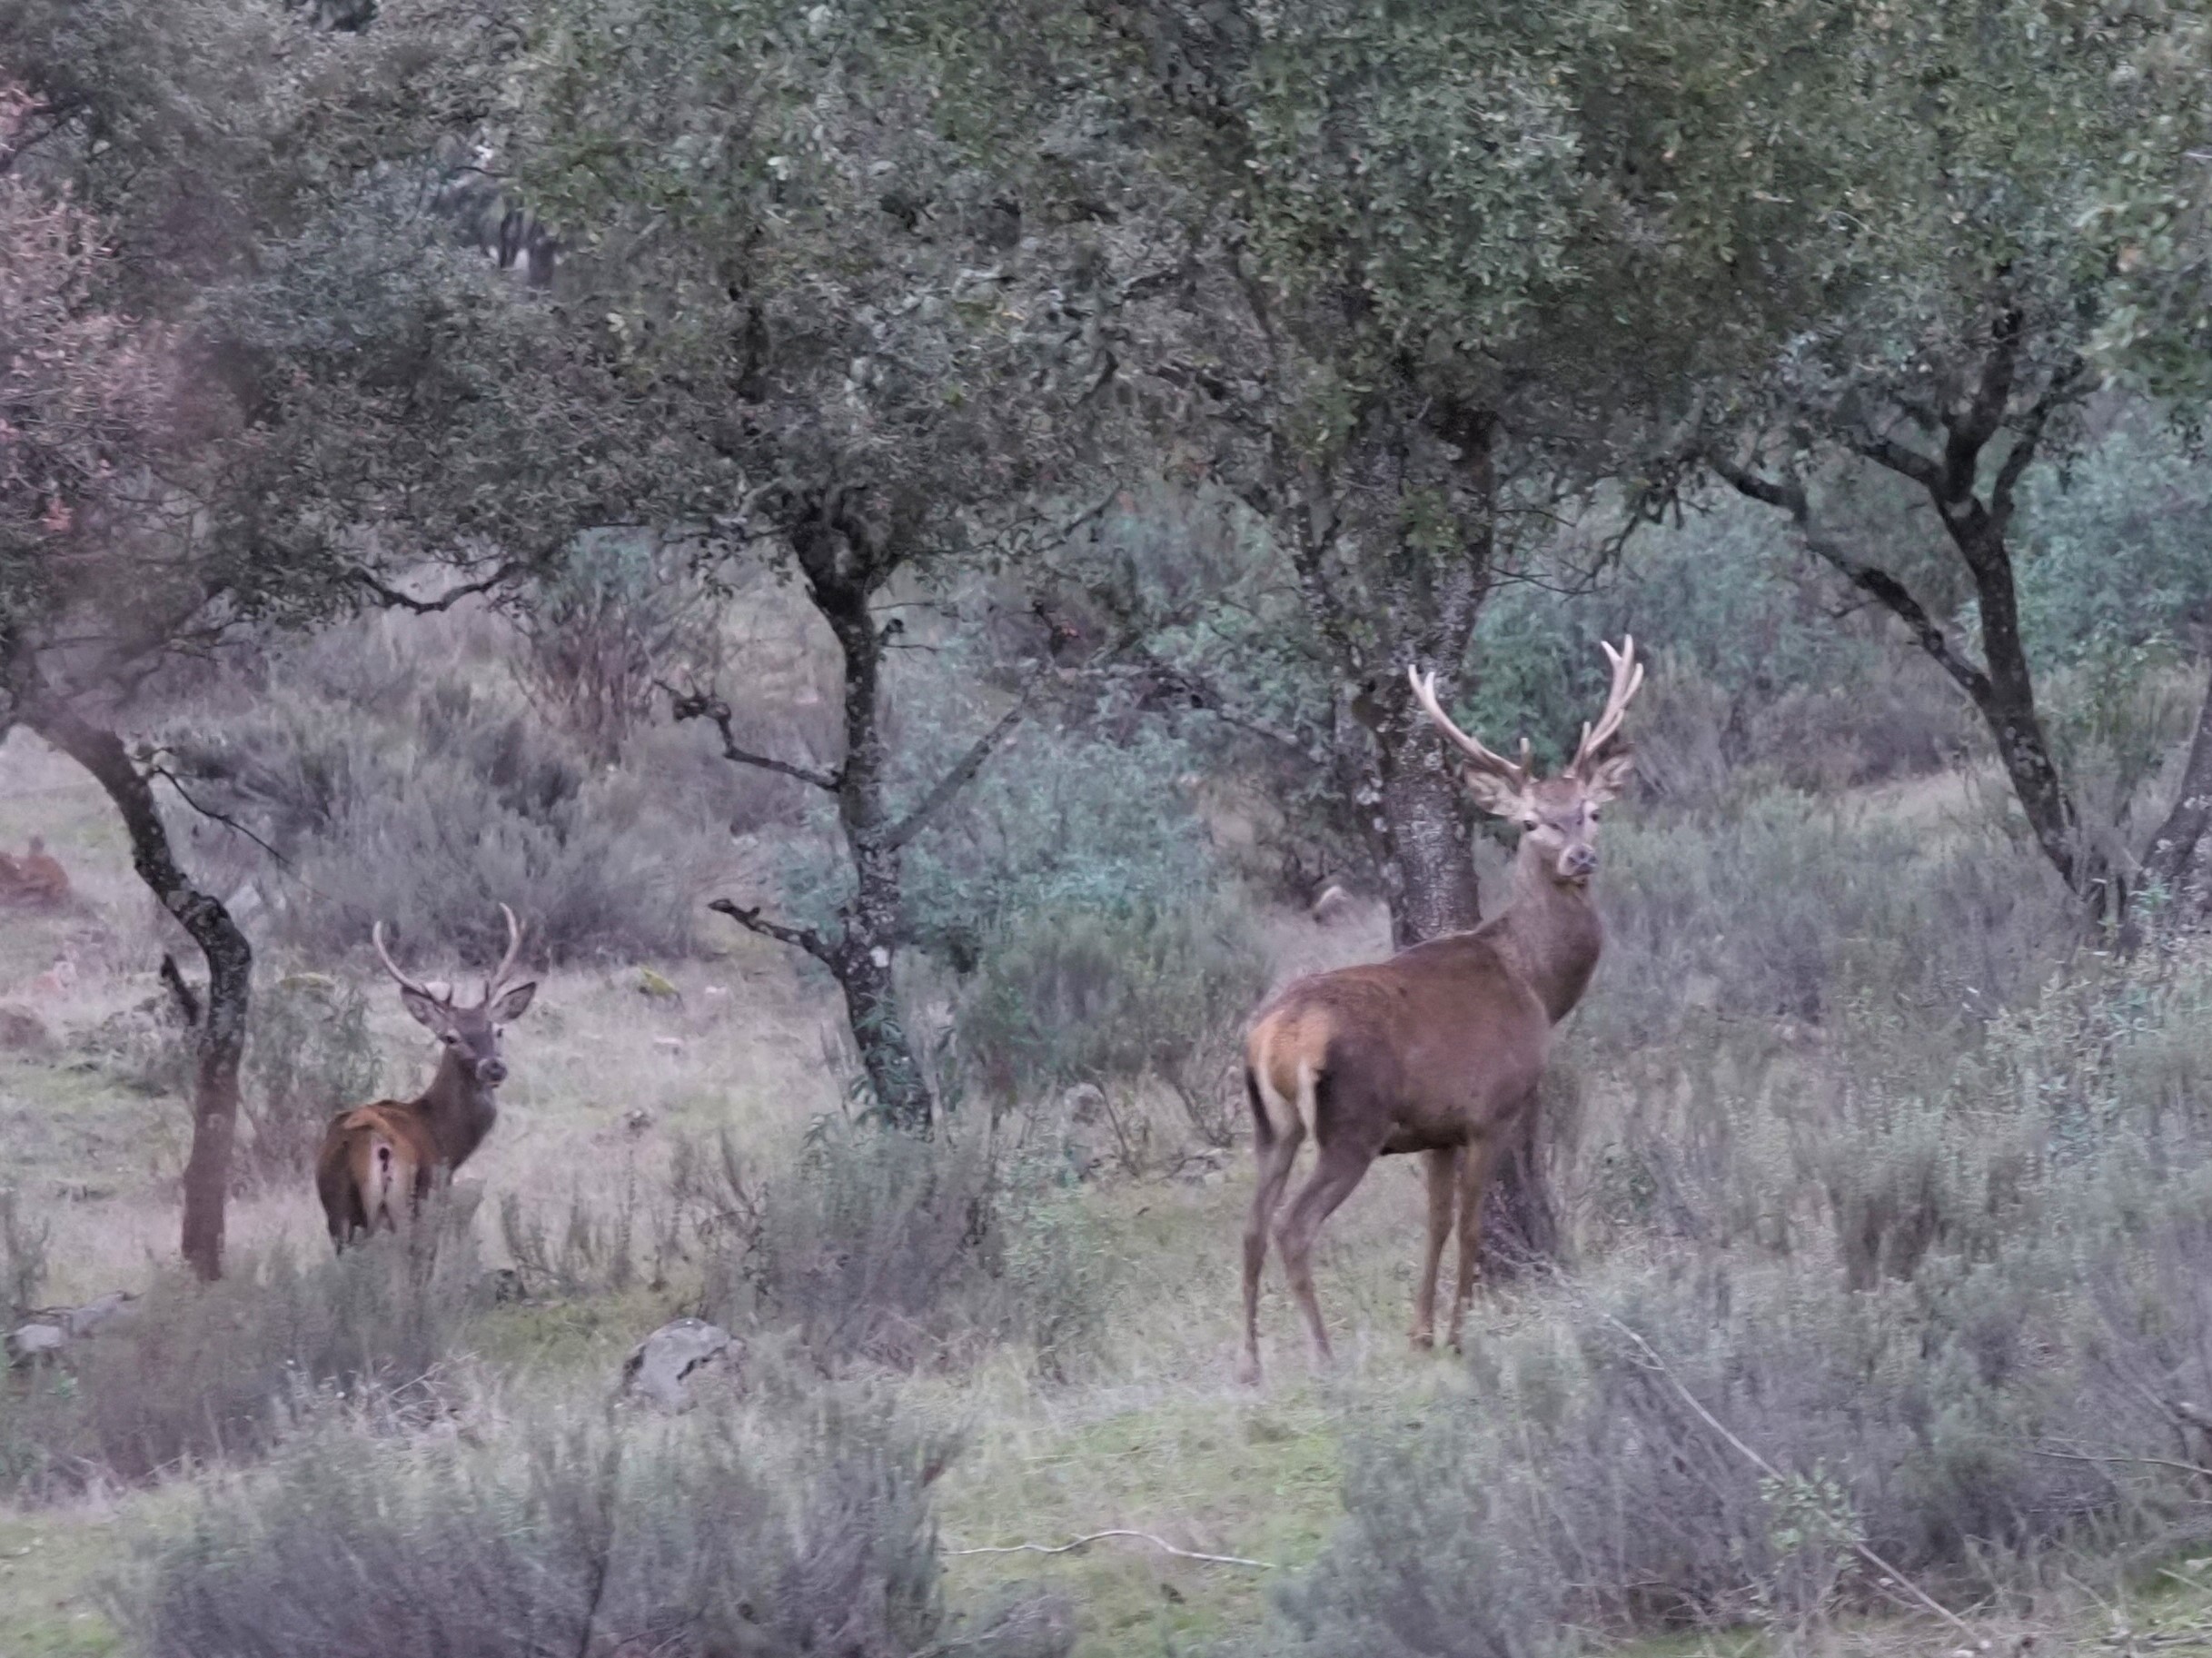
[651, 983]
[638, 1121]
[667, 1367]
[49, 1331]
[506, 1286]
[23, 1032]
[97, 1315]
[34, 1343]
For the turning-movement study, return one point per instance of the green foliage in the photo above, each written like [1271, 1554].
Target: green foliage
[208, 1373]
[2117, 547]
[426, 800]
[591, 1538]
[308, 1054]
[882, 1248]
[1068, 995]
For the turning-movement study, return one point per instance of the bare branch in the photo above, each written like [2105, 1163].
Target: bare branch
[705, 705]
[156, 769]
[1892, 594]
[958, 778]
[1157, 1543]
[386, 594]
[1907, 461]
[799, 937]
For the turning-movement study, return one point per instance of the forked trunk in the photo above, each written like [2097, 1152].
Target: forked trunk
[221, 1033]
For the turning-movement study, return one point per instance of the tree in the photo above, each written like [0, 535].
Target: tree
[206, 409]
[1443, 265]
[1974, 253]
[876, 347]
[89, 575]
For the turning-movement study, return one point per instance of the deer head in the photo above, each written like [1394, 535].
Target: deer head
[1559, 815]
[470, 1034]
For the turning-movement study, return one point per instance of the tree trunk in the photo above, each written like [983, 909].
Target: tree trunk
[2174, 845]
[862, 963]
[1428, 871]
[1429, 874]
[221, 1033]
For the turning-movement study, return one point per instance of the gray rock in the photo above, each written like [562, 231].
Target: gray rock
[33, 1344]
[667, 1367]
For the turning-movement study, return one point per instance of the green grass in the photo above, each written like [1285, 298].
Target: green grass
[48, 1563]
[1258, 1479]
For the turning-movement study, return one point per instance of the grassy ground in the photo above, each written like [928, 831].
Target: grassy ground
[1147, 1433]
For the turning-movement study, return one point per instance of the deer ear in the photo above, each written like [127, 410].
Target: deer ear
[1609, 777]
[429, 1012]
[511, 1006]
[1494, 794]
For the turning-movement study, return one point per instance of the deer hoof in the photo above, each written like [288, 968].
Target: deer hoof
[1422, 1341]
[1248, 1370]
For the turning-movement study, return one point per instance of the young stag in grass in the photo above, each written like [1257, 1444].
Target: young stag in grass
[1440, 1049]
[380, 1160]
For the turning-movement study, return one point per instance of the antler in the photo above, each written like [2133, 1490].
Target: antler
[514, 947]
[444, 994]
[1487, 759]
[1628, 679]
[376, 936]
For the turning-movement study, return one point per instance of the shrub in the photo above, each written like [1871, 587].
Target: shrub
[24, 1253]
[430, 802]
[1104, 996]
[308, 1054]
[621, 615]
[206, 1372]
[900, 1251]
[685, 1543]
[1978, 1340]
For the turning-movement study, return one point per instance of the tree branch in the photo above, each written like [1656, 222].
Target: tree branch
[2030, 436]
[2175, 840]
[955, 779]
[386, 594]
[1908, 463]
[1971, 432]
[1886, 588]
[705, 705]
[799, 937]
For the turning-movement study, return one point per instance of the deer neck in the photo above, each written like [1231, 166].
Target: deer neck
[459, 1109]
[1553, 935]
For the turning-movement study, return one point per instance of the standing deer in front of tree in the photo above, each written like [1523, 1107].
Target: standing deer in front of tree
[1440, 1049]
[381, 1159]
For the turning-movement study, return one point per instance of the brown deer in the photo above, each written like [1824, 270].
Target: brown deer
[382, 1158]
[1440, 1049]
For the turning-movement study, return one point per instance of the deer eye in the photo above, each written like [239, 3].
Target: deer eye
[1529, 823]
[1593, 814]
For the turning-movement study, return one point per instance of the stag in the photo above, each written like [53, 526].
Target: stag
[381, 1159]
[1439, 1049]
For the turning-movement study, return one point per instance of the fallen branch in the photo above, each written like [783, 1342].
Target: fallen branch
[1890, 1574]
[1157, 1543]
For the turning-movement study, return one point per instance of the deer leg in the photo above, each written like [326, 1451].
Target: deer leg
[1480, 1158]
[1340, 1170]
[1275, 1157]
[1443, 1198]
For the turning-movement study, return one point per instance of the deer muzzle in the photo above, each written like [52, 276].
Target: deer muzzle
[1578, 863]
